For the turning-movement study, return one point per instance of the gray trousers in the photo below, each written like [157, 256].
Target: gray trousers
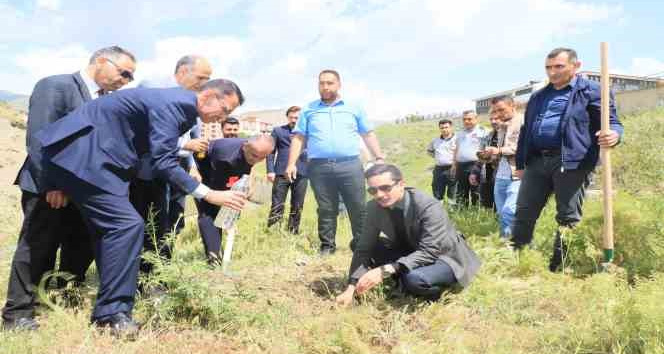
[329, 179]
[542, 177]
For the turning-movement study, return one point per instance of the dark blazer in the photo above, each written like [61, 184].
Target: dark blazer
[579, 123]
[429, 232]
[224, 163]
[52, 98]
[102, 140]
[277, 161]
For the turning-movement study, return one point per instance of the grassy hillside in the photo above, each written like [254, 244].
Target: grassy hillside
[280, 297]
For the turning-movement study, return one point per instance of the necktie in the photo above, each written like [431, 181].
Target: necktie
[101, 92]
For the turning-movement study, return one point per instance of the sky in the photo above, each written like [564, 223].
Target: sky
[395, 57]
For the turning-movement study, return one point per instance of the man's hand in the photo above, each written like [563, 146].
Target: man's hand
[473, 180]
[195, 174]
[345, 299]
[291, 173]
[369, 280]
[271, 176]
[56, 199]
[197, 145]
[232, 199]
[608, 139]
[518, 174]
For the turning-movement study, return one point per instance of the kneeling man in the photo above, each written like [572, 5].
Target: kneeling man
[408, 235]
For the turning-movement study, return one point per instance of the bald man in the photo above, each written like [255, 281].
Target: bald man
[227, 160]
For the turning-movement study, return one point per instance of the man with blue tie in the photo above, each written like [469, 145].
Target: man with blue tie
[48, 223]
[91, 155]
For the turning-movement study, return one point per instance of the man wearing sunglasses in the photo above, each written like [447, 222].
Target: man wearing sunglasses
[93, 153]
[49, 222]
[407, 235]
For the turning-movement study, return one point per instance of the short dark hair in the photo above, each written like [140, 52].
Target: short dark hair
[445, 121]
[113, 52]
[292, 109]
[379, 169]
[469, 111]
[226, 87]
[505, 98]
[571, 54]
[230, 120]
[330, 71]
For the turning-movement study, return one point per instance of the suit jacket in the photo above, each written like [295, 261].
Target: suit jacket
[430, 233]
[224, 164]
[52, 98]
[102, 140]
[276, 161]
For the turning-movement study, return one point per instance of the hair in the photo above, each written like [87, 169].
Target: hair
[112, 52]
[505, 98]
[330, 71]
[445, 121]
[226, 87]
[292, 109]
[469, 111]
[379, 169]
[571, 54]
[230, 120]
[187, 60]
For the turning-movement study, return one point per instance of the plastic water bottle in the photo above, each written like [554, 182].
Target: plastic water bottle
[227, 217]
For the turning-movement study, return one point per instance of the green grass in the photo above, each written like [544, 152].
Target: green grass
[280, 297]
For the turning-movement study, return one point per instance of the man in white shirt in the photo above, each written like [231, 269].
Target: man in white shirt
[468, 143]
[442, 150]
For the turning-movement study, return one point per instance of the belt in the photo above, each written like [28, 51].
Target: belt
[549, 152]
[335, 159]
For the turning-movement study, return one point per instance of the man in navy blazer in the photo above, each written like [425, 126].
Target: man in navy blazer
[92, 154]
[224, 164]
[276, 173]
[50, 223]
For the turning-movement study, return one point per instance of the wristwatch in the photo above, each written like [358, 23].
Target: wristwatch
[385, 272]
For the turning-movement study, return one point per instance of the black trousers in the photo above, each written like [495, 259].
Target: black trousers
[280, 188]
[150, 199]
[43, 229]
[541, 178]
[444, 183]
[466, 193]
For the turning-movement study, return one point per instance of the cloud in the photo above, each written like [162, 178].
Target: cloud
[222, 52]
[395, 56]
[51, 5]
[643, 67]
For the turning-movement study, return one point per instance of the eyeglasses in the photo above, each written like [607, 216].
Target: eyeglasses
[124, 73]
[386, 188]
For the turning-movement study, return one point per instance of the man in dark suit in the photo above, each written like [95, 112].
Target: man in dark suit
[91, 155]
[157, 201]
[49, 222]
[224, 164]
[407, 235]
[276, 173]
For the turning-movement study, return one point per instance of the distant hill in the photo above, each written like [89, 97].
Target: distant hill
[15, 100]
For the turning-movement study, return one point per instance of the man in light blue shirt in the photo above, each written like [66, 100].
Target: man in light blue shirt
[332, 128]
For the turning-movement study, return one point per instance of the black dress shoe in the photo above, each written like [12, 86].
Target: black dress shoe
[121, 325]
[20, 324]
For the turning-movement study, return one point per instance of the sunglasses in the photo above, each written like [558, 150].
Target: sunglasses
[385, 188]
[124, 73]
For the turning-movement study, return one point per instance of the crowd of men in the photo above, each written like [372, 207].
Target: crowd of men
[101, 161]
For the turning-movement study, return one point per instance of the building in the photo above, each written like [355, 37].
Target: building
[257, 122]
[521, 94]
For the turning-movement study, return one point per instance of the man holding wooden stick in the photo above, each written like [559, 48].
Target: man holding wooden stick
[559, 148]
